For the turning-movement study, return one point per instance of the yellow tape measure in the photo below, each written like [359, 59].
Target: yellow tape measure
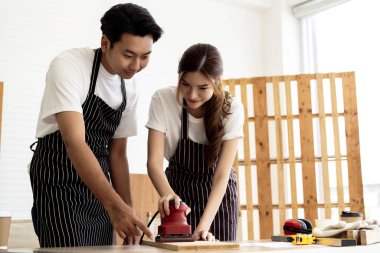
[302, 239]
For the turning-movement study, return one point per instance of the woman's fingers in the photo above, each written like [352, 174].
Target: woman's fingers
[177, 201]
[166, 204]
[204, 236]
[163, 204]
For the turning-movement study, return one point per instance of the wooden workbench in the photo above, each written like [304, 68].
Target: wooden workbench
[252, 246]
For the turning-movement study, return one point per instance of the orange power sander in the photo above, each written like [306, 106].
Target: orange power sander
[174, 228]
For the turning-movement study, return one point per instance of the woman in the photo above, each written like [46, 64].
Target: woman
[196, 126]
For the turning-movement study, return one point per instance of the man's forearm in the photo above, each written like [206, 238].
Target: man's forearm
[119, 169]
[89, 170]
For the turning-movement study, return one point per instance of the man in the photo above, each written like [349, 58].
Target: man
[87, 113]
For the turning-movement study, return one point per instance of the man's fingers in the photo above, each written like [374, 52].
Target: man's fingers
[130, 240]
[145, 229]
[188, 210]
[121, 234]
[136, 240]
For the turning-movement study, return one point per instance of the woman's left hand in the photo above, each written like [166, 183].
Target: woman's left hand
[204, 236]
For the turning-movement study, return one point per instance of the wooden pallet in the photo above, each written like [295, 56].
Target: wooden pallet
[279, 150]
[197, 245]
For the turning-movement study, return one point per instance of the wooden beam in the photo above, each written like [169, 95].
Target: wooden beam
[247, 161]
[307, 148]
[262, 157]
[355, 182]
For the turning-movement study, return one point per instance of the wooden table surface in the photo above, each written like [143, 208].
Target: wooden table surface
[248, 246]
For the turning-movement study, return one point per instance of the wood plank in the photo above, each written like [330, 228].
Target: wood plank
[307, 148]
[291, 77]
[338, 163]
[231, 85]
[197, 245]
[262, 157]
[247, 162]
[283, 117]
[352, 234]
[355, 182]
[292, 164]
[324, 154]
[369, 236]
[337, 242]
[280, 152]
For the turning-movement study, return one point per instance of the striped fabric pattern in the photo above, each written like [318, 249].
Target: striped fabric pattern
[66, 213]
[191, 179]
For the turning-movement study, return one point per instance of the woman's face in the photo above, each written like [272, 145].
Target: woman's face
[196, 89]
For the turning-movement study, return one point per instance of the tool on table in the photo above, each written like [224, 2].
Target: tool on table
[302, 239]
[174, 227]
[299, 232]
[297, 226]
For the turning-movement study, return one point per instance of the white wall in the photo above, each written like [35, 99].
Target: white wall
[33, 32]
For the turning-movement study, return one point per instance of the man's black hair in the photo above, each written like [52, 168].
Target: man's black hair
[129, 18]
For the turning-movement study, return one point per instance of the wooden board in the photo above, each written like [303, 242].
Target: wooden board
[307, 148]
[369, 236]
[197, 245]
[352, 234]
[355, 183]
[262, 156]
[338, 242]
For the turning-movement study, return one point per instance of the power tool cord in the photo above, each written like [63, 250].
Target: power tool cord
[150, 222]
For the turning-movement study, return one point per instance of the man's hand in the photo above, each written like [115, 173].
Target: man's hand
[132, 240]
[127, 225]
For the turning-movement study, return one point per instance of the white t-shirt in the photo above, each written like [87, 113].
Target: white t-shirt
[165, 116]
[67, 86]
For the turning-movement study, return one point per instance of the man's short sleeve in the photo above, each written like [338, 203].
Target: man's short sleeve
[64, 86]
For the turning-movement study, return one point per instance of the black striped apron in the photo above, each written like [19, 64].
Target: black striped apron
[65, 212]
[191, 179]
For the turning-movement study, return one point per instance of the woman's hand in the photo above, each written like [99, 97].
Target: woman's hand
[204, 235]
[163, 204]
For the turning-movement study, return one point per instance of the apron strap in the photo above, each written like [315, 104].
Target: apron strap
[184, 124]
[32, 146]
[95, 70]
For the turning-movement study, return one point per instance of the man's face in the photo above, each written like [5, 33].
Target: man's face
[128, 56]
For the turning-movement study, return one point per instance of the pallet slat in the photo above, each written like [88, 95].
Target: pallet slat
[355, 184]
[307, 148]
[292, 159]
[324, 154]
[338, 163]
[262, 157]
[279, 148]
[247, 160]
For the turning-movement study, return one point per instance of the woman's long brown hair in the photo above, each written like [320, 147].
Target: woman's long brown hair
[206, 59]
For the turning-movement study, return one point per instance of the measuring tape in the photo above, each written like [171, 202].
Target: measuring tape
[302, 239]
